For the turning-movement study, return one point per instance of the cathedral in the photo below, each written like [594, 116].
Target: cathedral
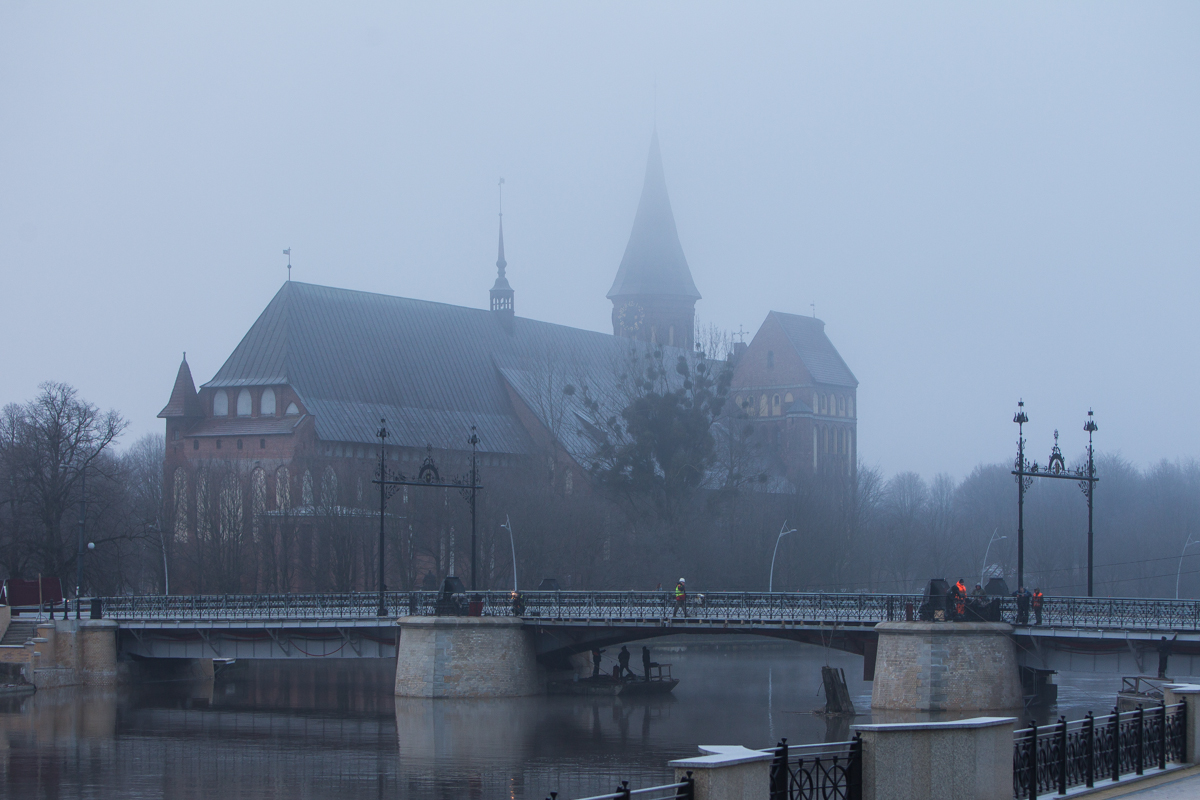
[321, 366]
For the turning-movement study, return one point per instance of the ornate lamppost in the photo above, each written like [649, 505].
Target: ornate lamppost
[1056, 467]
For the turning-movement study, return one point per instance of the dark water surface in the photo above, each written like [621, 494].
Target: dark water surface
[333, 730]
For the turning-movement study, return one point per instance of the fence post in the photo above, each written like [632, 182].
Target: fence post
[779, 772]
[854, 769]
[1033, 761]
[688, 790]
[1141, 742]
[623, 790]
[1162, 735]
[1115, 724]
[1062, 755]
[1089, 725]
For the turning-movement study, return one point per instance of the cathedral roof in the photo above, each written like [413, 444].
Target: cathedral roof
[820, 357]
[431, 369]
[183, 402]
[654, 263]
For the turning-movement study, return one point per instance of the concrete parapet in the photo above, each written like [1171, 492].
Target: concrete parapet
[1188, 694]
[970, 758]
[465, 657]
[5, 618]
[727, 773]
[945, 666]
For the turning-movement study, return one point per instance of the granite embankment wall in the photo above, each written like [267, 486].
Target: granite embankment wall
[66, 653]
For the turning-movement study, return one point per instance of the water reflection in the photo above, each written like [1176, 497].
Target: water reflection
[332, 729]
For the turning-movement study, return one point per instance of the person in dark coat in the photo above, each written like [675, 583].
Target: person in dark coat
[596, 662]
[1164, 651]
[623, 663]
[1022, 595]
[646, 662]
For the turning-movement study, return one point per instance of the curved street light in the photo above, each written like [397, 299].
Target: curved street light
[508, 527]
[1179, 571]
[983, 572]
[782, 533]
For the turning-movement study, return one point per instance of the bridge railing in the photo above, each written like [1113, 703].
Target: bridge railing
[743, 607]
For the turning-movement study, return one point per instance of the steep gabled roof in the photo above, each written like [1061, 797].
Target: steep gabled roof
[183, 402]
[432, 370]
[820, 357]
[654, 263]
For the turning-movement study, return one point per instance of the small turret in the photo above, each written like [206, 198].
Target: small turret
[184, 402]
[502, 292]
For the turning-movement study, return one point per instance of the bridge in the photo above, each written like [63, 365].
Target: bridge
[1078, 633]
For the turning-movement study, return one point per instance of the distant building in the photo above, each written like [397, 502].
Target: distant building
[321, 366]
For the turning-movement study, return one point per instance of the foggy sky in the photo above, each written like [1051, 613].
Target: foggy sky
[983, 201]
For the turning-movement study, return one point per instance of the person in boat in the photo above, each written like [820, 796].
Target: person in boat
[596, 653]
[1164, 652]
[681, 597]
[623, 663]
[959, 594]
[646, 662]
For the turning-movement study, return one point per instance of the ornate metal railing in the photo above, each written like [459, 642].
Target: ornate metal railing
[566, 606]
[684, 790]
[1054, 758]
[830, 771]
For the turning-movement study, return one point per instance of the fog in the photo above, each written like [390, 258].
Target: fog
[984, 202]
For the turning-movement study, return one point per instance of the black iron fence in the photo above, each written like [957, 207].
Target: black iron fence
[830, 771]
[568, 606]
[1051, 759]
[684, 790]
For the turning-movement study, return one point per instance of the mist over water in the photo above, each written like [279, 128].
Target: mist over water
[334, 730]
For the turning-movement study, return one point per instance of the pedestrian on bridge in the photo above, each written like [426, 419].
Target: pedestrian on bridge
[1022, 595]
[596, 653]
[1164, 651]
[1036, 601]
[681, 597]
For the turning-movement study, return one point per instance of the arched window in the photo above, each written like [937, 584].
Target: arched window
[850, 407]
[203, 519]
[306, 490]
[229, 521]
[179, 528]
[258, 502]
[569, 478]
[266, 406]
[841, 406]
[775, 407]
[283, 489]
[763, 409]
[220, 404]
[671, 336]
[292, 411]
[770, 359]
[827, 444]
[788, 399]
[329, 488]
[243, 406]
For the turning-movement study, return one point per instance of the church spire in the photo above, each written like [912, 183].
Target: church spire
[654, 296]
[502, 292]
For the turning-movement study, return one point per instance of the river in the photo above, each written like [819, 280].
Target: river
[334, 730]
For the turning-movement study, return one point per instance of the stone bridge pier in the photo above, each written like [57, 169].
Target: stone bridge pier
[466, 657]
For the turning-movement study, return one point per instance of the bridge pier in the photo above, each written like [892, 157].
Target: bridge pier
[945, 666]
[466, 657]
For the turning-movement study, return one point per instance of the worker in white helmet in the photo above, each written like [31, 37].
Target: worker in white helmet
[681, 597]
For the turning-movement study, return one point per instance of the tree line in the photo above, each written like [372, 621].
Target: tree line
[676, 485]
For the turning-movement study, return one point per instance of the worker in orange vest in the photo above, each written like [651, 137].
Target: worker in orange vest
[1037, 606]
[960, 599]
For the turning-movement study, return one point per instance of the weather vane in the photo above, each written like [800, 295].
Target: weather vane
[288, 253]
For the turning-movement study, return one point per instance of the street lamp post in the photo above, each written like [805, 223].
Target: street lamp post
[1022, 483]
[783, 531]
[1179, 571]
[983, 572]
[1090, 486]
[474, 442]
[508, 527]
[79, 555]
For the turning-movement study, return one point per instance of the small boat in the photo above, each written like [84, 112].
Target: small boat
[1140, 690]
[659, 682]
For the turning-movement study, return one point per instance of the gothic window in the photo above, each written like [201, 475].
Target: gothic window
[239, 444]
[841, 406]
[283, 489]
[306, 489]
[329, 488]
[775, 408]
[220, 404]
[770, 359]
[229, 521]
[195, 444]
[258, 502]
[568, 482]
[292, 411]
[243, 405]
[850, 407]
[266, 406]
[337, 451]
[789, 399]
[181, 505]
[203, 522]
[763, 410]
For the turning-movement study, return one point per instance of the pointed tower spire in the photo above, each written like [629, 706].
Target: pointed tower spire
[184, 401]
[653, 296]
[502, 292]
